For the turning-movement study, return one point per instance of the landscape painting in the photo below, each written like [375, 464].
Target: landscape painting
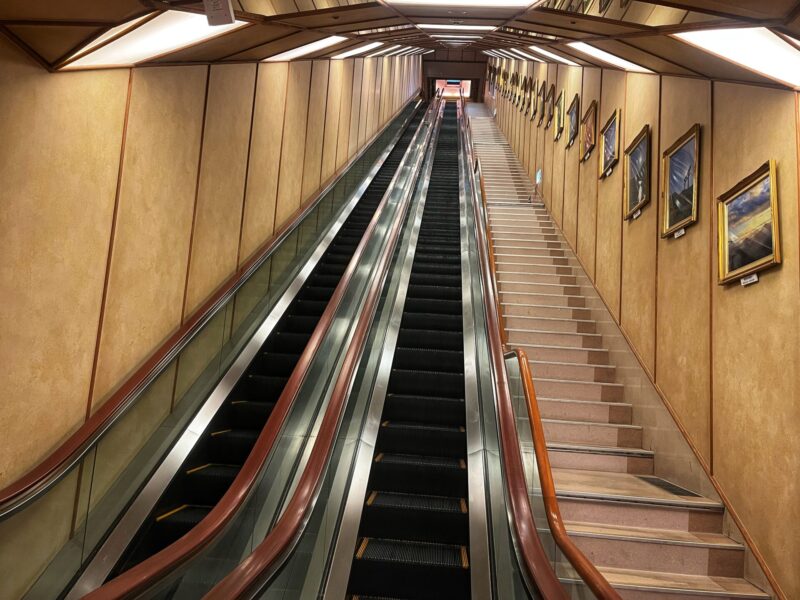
[589, 131]
[637, 173]
[681, 182]
[609, 145]
[748, 226]
[573, 112]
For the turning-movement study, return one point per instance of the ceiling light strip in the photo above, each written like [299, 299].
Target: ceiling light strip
[554, 56]
[357, 51]
[607, 57]
[307, 49]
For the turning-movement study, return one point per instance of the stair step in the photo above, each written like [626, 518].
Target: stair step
[599, 458]
[542, 299]
[598, 356]
[596, 434]
[533, 287]
[573, 371]
[545, 311]
[647, 585]
[549, 324]
[415, 517]
[578, 390]
[548, 338]
[659, 550]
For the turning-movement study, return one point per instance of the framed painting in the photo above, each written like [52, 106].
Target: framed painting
[604, 4]
[550, 102]
[589, 131]
[609, 144]
[680, 181]
[559, 117]
[573, 115]
[637, 173]
[542, 102]
[534, 100]
[748, 228]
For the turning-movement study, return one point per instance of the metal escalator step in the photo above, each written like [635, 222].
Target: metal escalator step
[435, 280]
[432, 321]
[416, 474]
[206, 484]
[430, 409]
[287, 341]
[422, 438]
[419, 553]
[278, 364]
[313, 308]
[263, 388]
[410, 337]
[428, 383]
[231, 446]
[426, 359]
[435, 292]
[245, 414]
[434, 306]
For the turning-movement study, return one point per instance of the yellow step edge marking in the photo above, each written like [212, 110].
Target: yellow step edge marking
[362, 548]
[379, 457]
[172, 512]
[220, 432]
[238, 401]
[462, 463]
[371, 498]
[463, 506]
[464, 558]
[385, 424]
[196, 469]
[461, 429]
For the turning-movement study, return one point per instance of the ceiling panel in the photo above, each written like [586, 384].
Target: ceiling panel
[111, 11]
[282, 44]
[54, 41]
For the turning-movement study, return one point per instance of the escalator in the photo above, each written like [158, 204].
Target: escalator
[218, 455]
[413, 537]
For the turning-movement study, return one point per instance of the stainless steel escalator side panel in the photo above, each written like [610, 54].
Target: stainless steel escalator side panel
[134, 517]
[480, 569]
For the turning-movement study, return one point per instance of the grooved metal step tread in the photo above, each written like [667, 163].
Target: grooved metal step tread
[415, 553]
[442, 504]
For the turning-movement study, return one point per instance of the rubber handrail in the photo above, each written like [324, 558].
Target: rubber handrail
[154, 569]
[58, 463]
[245, 579]
[538, 566]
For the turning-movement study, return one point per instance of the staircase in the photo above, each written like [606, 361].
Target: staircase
[651, 539]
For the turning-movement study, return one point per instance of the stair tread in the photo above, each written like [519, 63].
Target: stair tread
[725, 587]
[598, 449]
[624, 487]
[609, 384]
[647, 534]
[592, 423]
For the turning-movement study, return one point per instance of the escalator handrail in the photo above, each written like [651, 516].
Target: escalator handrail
[245, 579]
[515, 475]
[154, 569]
[66, 455]
[537, 567]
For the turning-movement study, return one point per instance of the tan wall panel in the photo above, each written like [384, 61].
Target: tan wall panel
[683, 370]
[355, 106]
[376, 98]
[154, 218]
[609, 198]
[315, 131]
[639, 236]
[258, 222]
[343, 136]
[332, 114]
[572, 160]
[218, 215]
[587, 200]
[367, 100]
[569, 81]
[294, 141]
[756, 337]
[59, 161]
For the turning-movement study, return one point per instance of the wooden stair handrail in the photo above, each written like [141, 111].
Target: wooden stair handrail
[30, 486]
[540, 570]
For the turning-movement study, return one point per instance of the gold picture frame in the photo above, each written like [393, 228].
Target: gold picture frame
[589, 131]
[573, 112]
[680, 182]
[753, 205]
[559, 117]
[636, 178]
[609, 144]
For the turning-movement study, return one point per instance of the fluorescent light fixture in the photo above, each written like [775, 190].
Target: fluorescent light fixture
[554, 56]
[457, 27]
[429, 51]
[396, 52]
[481, 3]
[608, 58]
[755, 48]
[357, 51]
[507, 54]
[456, 37]
[307, 49]
[169, 31]
[525, 55]
[383, 51]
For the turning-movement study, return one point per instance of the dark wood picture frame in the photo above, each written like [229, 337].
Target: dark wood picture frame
[639, 145]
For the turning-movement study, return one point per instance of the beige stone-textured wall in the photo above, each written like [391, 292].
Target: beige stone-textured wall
[724, 359]
[128, 197]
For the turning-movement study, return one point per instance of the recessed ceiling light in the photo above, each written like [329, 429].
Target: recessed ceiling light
[307, 49]
[456, 37]
[457, 27]
[357, 51]
[608, 58]
[756, 49]
[169, 31]
[554, 56]
[525, 55]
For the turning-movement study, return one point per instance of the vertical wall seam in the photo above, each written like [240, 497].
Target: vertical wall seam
[280, 157]
[325, 124]
[109, 254]
[196, 195]
[657, 200]
[305, 133]
[247, 169]
[621, 199]
[597, 185]
[712, 212]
